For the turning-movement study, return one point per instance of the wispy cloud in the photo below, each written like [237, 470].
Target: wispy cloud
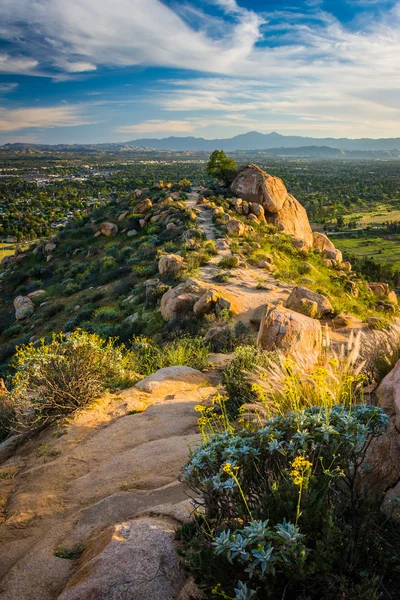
[50, 116]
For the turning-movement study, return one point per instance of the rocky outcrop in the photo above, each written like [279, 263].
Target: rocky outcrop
[322, 243]
[180, 300]
[171, 265]
[24, 307]
[171, 380]
[108, 229]
[291, 333]
[300, 294]
[282, 209]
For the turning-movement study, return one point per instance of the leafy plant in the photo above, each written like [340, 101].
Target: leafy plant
[283, 512]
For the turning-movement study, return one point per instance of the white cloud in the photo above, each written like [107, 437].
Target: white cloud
[310, 73]
[45, 117]
[17, 64]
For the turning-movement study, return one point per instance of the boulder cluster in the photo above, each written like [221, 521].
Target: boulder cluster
[189, 297]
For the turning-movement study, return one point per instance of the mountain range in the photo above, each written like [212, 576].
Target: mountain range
[253, 140]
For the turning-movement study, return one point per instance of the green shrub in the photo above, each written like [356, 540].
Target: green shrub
[235, 378]
[106, 313]
[284, 514]
[230, 262]
[57, 378]
[148, 358]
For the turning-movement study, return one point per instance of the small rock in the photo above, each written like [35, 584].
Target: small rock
[235, 227]
[108, 229]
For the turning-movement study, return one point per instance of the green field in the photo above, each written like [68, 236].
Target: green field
[6, 249]
[381, 214]
[383, 249]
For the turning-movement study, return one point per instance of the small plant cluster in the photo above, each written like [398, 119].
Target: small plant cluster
[148, 357]
[283, 510]
[57, 378]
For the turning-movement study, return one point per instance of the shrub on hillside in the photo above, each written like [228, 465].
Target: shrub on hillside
[189, 352]
[58, 377]
[284, 514]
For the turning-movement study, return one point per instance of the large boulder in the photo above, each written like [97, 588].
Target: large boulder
[171, 380]
[144, 206]
[129, 561]
[291, 333]
[280, 208]
[381, 290]
[180, 299]
[388, 394]
[108, 229]
[206, 303]
[254, 185]
[382, 476]
[299, 293]
[23, 307]
[235, 227]
[322, 243]
[171, 265]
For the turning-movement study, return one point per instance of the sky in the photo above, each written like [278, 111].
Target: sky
[91, 71]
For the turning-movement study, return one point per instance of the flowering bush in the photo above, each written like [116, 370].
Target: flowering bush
[282, 509]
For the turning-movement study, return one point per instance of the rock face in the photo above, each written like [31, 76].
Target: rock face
[173, 379]
[171, 265]
[323, 243]
[280, 208]
[129, 561]
[383, 457]
[291, 333]
[180, 300]
[23, 307]
[388, 394]
[108, 229]
[300, 293]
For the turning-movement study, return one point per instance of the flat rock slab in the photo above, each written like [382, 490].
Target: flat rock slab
[172, 380]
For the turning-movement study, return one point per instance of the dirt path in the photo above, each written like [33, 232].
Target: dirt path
[105, 467]
[241, 289]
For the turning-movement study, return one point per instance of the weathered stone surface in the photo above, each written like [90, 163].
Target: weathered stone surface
[171, 265]
[206, 303]
[108, 229]
[173, 379]
[36, 293]
[235, 227]
[132, 233]
[322, 243]
[291, 333]
[342, 320]
[256, 209]
[254, 185]
[123, 216]
[294, 302]
[50, 247]
[266, 263]
[346, 265]
[23, 307]
[129, 561]
[392, 297]
[143, 207]
[388, 394]
[180, 299]
[292, 219]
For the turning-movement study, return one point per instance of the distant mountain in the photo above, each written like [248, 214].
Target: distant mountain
[271, 143]
[265, 141]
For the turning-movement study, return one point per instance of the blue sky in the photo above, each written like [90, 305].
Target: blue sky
[81, 71]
